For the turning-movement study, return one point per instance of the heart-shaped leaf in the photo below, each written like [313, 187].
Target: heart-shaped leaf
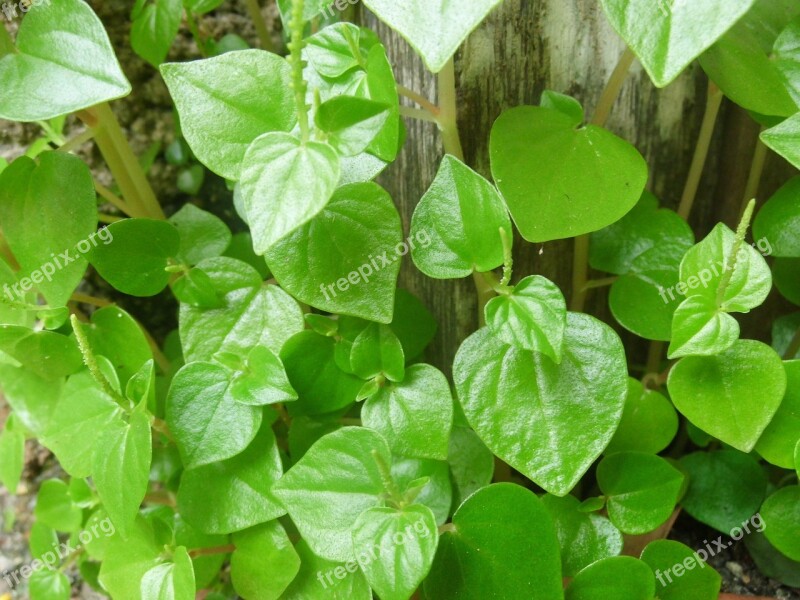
[549, 421]
[784, 139]
[346, 260]
[777, 443]
[172, 580]
[66, 45]
[778, 221]
[434, 29]
[551, 197]
[264, 562]
[316, 573]
[615, 578]
[203, 235]
[781, 514]
[697, 581]
[649, 422]
[154, 29]
[733, 395]
[666, 35]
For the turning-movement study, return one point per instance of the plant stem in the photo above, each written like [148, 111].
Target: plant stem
[299, 85]
[108, 219]
[261, 26]
[113, 199]
[418, 113]
[77, 141]
[226, 549]
[580, 273]
[191, 22]
[611, 92]
[794, 347]
[713, 102]
[122, 161]
[598, 283]
[741, 231]
[485, 293]
[5, 252]
[90, 361]
[87, 299]
[418, 99]
[756, 170]
[448, 111]
[654, 357]
[162, 428]
[6, 43]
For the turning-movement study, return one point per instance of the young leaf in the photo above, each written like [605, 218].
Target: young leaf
[154, 29]
[351, 122]
[778, 221]
[461, 215]
[49, 585]
[327, 489]
[264, 562]
[49, 216]
[121, 469]
[347, 259]
[471, 464]
[733, 395]
[697, 581]
[781, 515]
[67, 46]
[726, 488]
[338, 48]
[554, 429]
[699, 327]
[135, 262]
[641, 490]
[206, 567]
[649, 422]
[434, 30]
[32, 398]
[263, 381]
[782, 138]
[46, 354]
[563, 103]
[207, 423]
[427, 481]
[202, 234]
[376, 350]
[127, 560]
[776, 444]
[415, 415]
[786, 272]
[55, 508]
[617, 577]
[503, 544]
[406, 540]
[549, 198]
[252, 314]
[584, 538]
[172, 580]
[228, 101]
[323, 579]
[533, 316]
[115, 334]
[666, 35]
[234, 494]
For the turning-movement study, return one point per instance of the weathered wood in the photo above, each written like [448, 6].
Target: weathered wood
[523, 48]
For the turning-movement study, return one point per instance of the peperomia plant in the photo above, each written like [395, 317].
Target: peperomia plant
[288, 440]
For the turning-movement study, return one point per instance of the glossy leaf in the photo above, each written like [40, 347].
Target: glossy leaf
[733, 395]
[173, 580]
[550, 198]
[115, 334]
[351, 123]
[781, 515]
[778, 221]
[376, 350]
[649, 422]
[154, 29]
[54, 507]
[551, 431]
[777, 443]
[681, 573]
[471, 464]
[128, 559]
[786, 272]
[460, 216]
[264, 562]
[202, 234]
[615, 578]
[783, 138]
[321, 579]
[49, 585]
[262, 381]
[430, 479]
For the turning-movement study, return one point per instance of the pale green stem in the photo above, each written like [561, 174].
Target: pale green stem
[261, 27]
[756, 170]
[299, 85]
[448, 111]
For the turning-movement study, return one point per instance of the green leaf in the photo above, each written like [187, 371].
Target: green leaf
[726, 488]
[12, 458]
[770, 562]
[206, 568]
[32, 398]
[413, 323]
[82, 411]
[49, 217]
[306, 173]
[414, 416]
[252, 314]
[208, 425]
[786, 55]
[377, 351]
[200, 7]
[49, 585]
[584, 538]
[121, 469]
[321, 386]
[228, 101]
[172, 580]
[699, 327]
[128, 559]
[550, 198]
[55, 508]
[135, 262]
[338, 48]
[67, 46]
[741, 61]
[471, 464]
[783, 331]
[264, 562]
[321, 579]
[327, 489]
[777, 443]
[115, 334]
[406, 541]
[693, 579]
[457, 223]
[263, 380]
[533, 316]
[236, 493]
[548, 421]
[346, 260]
[781, 515]
[641, 490]
[202, 234]
[786, 272]
[503, 544]
[733, 395]
[352, 123]
[615, 578]
[154, 29]
[649, 422]
[563, 103]
[434, 30]
[43, 353]
[782, 138]
[778, 221]
[425, 482]
[666, 35]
